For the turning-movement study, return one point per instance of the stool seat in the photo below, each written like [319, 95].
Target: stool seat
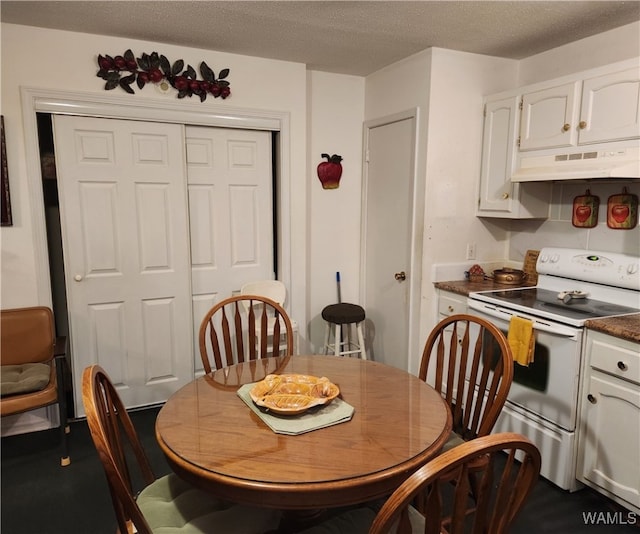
[343, 313]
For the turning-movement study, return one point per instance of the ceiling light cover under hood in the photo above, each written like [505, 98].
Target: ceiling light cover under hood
[596, 163]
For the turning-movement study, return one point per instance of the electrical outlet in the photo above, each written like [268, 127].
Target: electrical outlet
[471, 251]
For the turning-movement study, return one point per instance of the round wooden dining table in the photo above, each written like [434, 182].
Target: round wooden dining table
[212, 439]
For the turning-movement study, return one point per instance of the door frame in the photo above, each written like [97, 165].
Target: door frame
[35, 100]
[417, 222]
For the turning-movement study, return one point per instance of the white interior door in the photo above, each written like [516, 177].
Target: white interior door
[230, 178]
[387, 238]
[123, 207]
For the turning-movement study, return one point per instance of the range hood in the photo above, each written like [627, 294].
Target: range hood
[621, 162]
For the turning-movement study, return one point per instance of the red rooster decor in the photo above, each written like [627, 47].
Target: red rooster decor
[330, 171]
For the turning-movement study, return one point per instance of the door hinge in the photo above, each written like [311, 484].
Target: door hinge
[521, 104]
[366, 156]
[518, 142]
[484, 110]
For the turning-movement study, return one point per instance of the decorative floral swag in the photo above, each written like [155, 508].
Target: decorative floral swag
[122, 71]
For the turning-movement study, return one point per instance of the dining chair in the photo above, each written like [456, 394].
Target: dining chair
[276, 291]
[236, 330]
[32, 362]
[142, 501]
[472, 368]
[511, 466]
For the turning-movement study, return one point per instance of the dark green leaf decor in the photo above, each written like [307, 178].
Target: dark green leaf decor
[122, 71]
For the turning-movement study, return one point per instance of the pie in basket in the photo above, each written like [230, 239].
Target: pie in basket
[292, 394]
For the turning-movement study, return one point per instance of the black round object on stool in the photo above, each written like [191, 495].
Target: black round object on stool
[343, 313]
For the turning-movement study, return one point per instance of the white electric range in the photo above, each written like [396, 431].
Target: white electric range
[573, 287]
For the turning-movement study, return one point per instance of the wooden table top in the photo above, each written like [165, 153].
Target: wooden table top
[211, 438]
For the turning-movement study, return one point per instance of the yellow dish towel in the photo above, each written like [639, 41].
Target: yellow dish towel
[520, 338]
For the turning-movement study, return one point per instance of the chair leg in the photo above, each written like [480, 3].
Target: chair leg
[363, 352]
[62, 410]
[327, 332]
[337, 347]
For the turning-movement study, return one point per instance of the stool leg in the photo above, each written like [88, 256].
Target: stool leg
[363, 352]
[327, 330]
[337, 349]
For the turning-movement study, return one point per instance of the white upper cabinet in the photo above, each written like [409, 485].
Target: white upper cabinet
[600, 109]
[498, 195]
[610, 109]
[549, 117]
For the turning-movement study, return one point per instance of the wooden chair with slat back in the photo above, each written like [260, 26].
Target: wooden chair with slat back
[470, 353]
[142, 502]
[472, 368]
[504, 485]
[228, 332]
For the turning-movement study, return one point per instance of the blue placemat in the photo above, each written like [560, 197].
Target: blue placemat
[336, 412]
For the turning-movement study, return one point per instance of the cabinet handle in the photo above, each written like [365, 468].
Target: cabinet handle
[582, 125]
[566, 127]
[505, 196]
[591, 399]
[450, 308]
[401, 276]
[622, 366]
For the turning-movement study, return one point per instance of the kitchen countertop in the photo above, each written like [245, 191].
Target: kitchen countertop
[625, 327]
[464, 287]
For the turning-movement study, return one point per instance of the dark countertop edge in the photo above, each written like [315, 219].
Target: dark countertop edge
[464, 287]
[625, 327]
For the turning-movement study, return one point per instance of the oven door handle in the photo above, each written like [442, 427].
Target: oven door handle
[499, 313]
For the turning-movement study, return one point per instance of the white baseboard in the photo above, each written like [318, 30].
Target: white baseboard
[33, 421]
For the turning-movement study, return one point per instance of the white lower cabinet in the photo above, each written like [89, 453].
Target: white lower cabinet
[609, 439]
[450, 303]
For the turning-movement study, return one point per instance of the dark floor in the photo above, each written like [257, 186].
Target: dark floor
[40, 497]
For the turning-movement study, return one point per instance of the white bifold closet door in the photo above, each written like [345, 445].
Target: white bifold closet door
[229, 176]
[123, 209]
[157, 226]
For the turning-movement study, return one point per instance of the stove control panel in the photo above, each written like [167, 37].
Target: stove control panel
[609, 268]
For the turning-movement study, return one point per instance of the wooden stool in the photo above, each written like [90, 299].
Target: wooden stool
[348, 315]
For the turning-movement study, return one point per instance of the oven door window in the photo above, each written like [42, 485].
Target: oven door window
[535, 376]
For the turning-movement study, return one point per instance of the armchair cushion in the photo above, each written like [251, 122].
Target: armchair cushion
[24, 378]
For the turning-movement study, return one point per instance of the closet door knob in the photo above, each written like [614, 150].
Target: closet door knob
[566, 127]
[78, 278]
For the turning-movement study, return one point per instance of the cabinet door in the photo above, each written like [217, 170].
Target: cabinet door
[612, 439]
[498, 149]
[549, 117]
[610, 108]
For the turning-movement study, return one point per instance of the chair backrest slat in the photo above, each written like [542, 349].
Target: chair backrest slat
[118, 446]
[502, 492]
[478, 363]
[244, 323]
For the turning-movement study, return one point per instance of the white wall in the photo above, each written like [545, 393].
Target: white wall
[447, 87]
[60, 60]
[595, 51]
[334, 126]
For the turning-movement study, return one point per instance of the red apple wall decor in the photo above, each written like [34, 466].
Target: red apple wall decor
[330, 171]
[585, 210]
[622, 211]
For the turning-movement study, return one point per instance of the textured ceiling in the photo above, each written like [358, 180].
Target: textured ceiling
[344, 37]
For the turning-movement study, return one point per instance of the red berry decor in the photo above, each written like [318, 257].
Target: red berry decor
[122, 71]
